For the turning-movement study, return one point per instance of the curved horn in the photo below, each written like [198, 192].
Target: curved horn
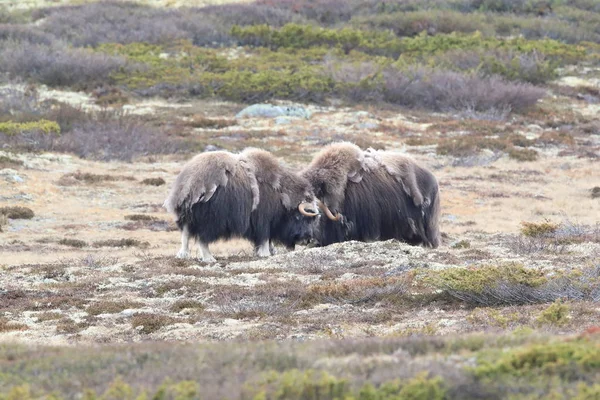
[328, 212]
[302, 209]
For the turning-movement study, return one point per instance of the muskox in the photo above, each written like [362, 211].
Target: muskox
[374, 195]
[219, 195]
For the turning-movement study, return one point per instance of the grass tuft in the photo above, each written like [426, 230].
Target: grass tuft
[147, 323]
[154, 181]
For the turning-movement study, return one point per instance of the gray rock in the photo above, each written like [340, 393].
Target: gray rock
[10, 175]
[367, 125]
[212, 147]
[283, 121]
[272, 111]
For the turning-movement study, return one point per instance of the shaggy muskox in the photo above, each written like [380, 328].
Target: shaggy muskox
[374, 195]
[219, 195]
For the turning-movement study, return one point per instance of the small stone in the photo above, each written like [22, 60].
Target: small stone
[272, 111]
[367, 125]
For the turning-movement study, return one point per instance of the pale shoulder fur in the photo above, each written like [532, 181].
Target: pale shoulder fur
[402, 168]
[203, 174]
[333, 167]
[271, 171]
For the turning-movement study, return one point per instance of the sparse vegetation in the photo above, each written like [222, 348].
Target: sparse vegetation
[147, 323]
[556, 314]
[90, 178]
[154, 181]
[111, 307]
[125, 242]
[73, 242]
[500, 310]
[140, 217]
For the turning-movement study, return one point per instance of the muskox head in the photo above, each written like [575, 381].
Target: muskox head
[299, 225]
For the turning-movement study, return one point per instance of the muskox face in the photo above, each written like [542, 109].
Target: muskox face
[299, 225]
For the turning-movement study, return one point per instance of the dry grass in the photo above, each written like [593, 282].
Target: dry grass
[148, 323]
[91, 178]
[9, 162]
[7, 325]
[112, 307]
[125, 242]
[73, 242]
[154, 181]
[140, 217]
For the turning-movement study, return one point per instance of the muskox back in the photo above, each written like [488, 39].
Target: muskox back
[213, 196]
[388, 197]
[220, 195]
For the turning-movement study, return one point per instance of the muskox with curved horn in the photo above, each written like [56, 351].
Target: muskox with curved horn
[219, 195]
[374, 195]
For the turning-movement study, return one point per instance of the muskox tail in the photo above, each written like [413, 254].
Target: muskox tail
[431, 219]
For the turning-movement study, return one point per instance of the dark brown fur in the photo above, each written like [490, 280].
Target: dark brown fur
[381, 195]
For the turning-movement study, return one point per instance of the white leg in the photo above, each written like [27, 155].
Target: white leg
[271, 248]
[185, 242]
[204, 253]
[263, 249]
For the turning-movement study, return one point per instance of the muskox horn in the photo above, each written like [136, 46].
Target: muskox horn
[302, 208]
[328, 212]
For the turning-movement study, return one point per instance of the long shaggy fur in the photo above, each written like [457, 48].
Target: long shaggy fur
[219, 195]
[381, 195]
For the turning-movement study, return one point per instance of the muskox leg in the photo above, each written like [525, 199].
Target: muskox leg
[204, 253]
[263, 249]
[271, 248]
[185, 242]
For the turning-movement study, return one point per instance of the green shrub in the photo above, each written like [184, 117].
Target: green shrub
[534, 229]
[297, 385]
[480, 278]
[43, 126]
[552, 358]
[523, 154]
[319, 385]
[556, 314]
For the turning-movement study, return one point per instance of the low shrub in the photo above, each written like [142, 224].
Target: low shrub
[441, 90]
[73, 242]
[431, 21]
[180, 305]
[556, 314]
[89, 25]
[148, 323]
[514, 284]
[17, 212]
[140, 217]
[117, 138]
[542, 229]
[91, 178]
[523, 154]
[9, 162]
[569, 359]
[11, 128]
[3, 221]
[112, 307]
[154, 181]
[532, 67]
[6, 325]
[310, 384]
[121, 243]
[58, 65]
